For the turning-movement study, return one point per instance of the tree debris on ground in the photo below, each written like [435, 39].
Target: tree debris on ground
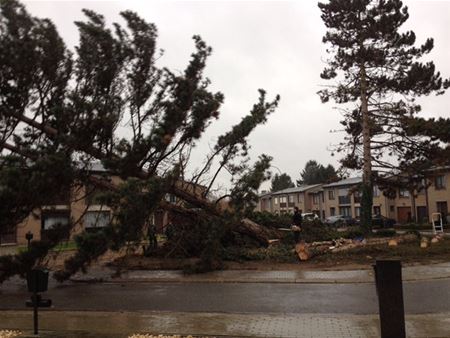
[9, 333]
[306, 251]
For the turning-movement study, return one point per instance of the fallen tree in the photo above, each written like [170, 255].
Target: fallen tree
[111, 103]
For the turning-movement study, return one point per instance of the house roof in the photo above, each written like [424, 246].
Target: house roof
[347, 181]
[301, 188]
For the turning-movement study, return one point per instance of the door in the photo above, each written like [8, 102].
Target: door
[422, 214]
[403, 214]
[443, 209]
[159, 221]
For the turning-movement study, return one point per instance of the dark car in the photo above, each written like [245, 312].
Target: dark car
[339, 220]
[380, 221]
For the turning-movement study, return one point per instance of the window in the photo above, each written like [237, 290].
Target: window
[422, 187]
[377, 210]
[283, 199]
[331, 194]
[332, 211]
[403, 193]
[171, 198]
[357, 211]
[345, 211]
[391, 208]
[96, 219]
[316, 198]
[51, 219]
[275, 201]
[291, 198]
[439, 182]
[344, 197]
[442, 208]
[8, 236]
[357, 197]
[376, 191]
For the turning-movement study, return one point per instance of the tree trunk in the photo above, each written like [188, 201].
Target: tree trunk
[367, 193]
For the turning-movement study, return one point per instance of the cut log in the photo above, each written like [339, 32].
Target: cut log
[302, 251]
[274, 241]
[393, 242]
[256, 231]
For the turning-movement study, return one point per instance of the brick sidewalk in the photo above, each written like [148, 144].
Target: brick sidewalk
[113, 324]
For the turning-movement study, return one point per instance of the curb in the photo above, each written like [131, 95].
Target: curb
[245, 281]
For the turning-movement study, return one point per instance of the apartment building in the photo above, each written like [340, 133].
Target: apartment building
[344, 198]
[82, 206]
[283, 201]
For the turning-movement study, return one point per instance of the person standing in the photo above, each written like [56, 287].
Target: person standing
[296, 224]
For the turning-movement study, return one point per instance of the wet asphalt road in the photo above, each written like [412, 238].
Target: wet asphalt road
[420, 297]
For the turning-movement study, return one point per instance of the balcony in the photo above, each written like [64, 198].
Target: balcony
[344, 200]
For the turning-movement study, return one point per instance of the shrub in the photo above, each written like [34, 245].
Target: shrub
[352, 234]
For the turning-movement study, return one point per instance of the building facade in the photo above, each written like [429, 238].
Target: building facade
[344, 198]
[82, 207]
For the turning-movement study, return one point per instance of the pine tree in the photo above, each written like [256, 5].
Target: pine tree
[315, 173]
[280, 182]
[378, 76]
[110, 102]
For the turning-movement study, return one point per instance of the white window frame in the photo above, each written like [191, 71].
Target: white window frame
[88, 224]
[50, 219]
[441, 184]
[376, 191]
[404, 193]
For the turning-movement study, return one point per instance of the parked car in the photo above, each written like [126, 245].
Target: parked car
[310, 216]
[339, 220]
[381, 221]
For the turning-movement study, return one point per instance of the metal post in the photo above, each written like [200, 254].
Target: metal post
[388, 280]
[29, 237]
[35, 307]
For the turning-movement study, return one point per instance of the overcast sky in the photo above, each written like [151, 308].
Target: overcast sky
[274, 45]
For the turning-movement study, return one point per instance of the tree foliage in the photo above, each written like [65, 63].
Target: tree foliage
[315, 173]
[378, 75]
[110, 102]
[280, 182]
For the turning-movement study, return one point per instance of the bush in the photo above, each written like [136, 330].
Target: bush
[352, 234]
[315, 231]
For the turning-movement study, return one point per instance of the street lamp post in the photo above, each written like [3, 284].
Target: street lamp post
[29, 237]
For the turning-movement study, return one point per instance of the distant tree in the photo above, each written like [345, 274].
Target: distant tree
[280, 182]
[376, 68]
[315, 173]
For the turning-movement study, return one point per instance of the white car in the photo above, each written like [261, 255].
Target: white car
[310, 216]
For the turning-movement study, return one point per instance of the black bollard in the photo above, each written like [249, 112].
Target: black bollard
[37, 281]
[388, 280]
